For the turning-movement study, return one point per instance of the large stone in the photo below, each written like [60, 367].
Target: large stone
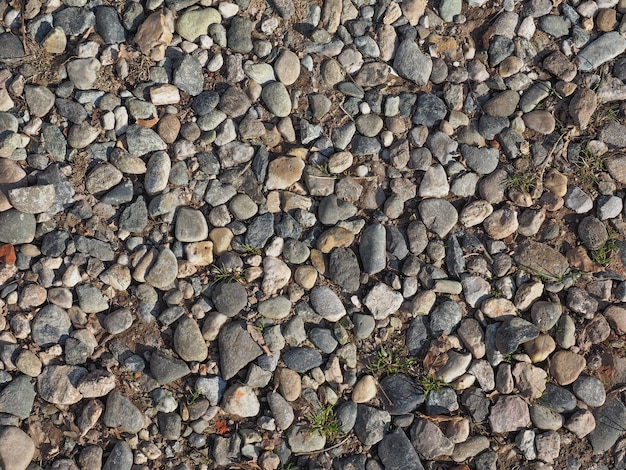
[237, 349]
[16, 448]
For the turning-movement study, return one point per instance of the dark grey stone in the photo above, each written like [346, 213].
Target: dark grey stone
[343, 269]
[399, 394]
[397, 453]
[260, 230]
[302, 359]
[120, 413]
[165, 368]
[229, 298]
[108, 25]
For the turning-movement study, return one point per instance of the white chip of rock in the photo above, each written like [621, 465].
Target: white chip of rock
[455, 367]
[382, 301]
[241, 400]
[276, 275]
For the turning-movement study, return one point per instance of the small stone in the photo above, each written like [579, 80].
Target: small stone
[364, 390]
[277, 99]
[191, 225]
[241, 401]
[122, 414]
[382, 301]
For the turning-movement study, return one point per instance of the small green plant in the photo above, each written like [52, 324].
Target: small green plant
[287, 466]
[387, 362]
[326, 170]
[524, 181]
[195, 394]
[497, 294]
[604, 255]
[251, 250]
[607, 112]
[430, 383]
[228, 275]
[586, 169]
[260, 327]
[325, 421]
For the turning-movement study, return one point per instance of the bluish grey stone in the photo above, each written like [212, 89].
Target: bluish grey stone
[372, 249]
[188, 76]
[605, 48]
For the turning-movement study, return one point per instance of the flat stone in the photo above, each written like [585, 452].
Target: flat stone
[121, 414]
[509, 414]
[58, 384]
[166, 368]
[237, 349]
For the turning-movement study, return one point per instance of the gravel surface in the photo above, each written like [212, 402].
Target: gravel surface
[342, 234]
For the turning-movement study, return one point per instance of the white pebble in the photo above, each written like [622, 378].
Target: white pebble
[275, 248]
[206, 42]
[228, 10]
[365, 108]
[387, 138]
[108, 121]
[361, 171]
[215, 63]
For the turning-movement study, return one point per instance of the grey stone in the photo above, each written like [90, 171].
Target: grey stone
[120, 458]
[605, 48]
[396, 452]
[445, 318]
[439, 215]
[411, 63]
[237, 349]
[429, 441]
[400, 395]
[121, 414]
[343, 269]
[188, 76]
[166, 368]
[50, 326]
[371, 424]
[302, 359]
[372, 249]
[327, 304]
[513, 332]
[17, 397]
[108, 25]
[590, 390]
[17, 227]
[229, 298]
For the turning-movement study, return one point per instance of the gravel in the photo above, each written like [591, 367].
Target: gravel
[223, 226]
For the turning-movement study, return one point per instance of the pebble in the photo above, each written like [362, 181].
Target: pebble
[566, 366]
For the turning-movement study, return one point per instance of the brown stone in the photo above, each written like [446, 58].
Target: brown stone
[11, 176]
[283, 172]
[616, 316]
[606, 19]
[566, 366]
[617, 168]
[582, 106]
[155, 34]
[168, 128]
[335, 237]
